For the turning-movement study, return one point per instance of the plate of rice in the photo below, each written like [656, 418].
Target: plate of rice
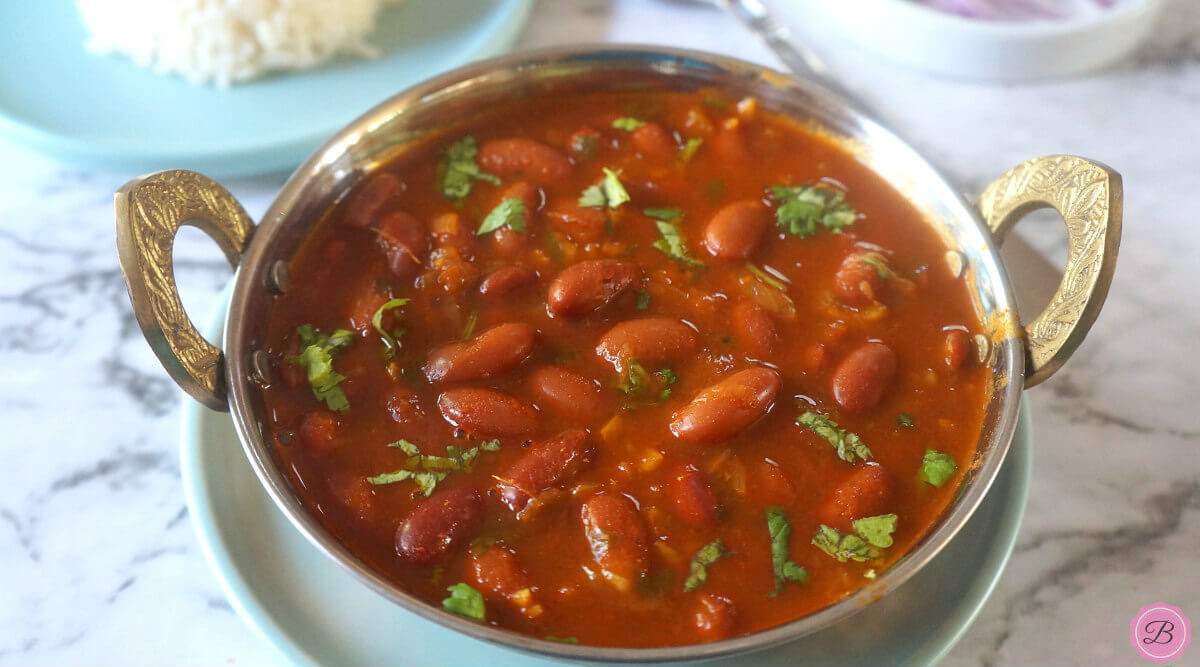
[226, 87]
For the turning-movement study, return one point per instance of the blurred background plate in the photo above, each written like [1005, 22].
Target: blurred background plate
[105, 112]
[315, 613]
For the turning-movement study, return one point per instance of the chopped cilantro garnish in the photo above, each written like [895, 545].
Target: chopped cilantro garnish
[766, 277]
[803, 207]
[671, 243]
[876, 530]
[469, 327]
[937, 467]
[508, 213]
[643, 299]
[666, 378]
[316, 356]
[628, 123]
[668, 214]
[905, 420]
[871, 534]
[461, 169]
[608, 193]
[562, 640]
[785, 570]
[698, 571]
[427, 470]
[843, 546]
[389, 337]
[877, 262]
[690, 148]
[849, 446]
[465, 601]
[869, 574]
[636, 377]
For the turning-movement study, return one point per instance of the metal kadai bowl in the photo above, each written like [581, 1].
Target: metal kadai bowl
[151, 209]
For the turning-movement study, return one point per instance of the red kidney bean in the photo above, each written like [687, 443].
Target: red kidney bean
[527, 192]
[857, 283]
[864, 376]
[734, 231]
[654, 142]
[450, 231]
[584, 143]
[355, 493]
[487, 413]
[653, 341]
[577, 223]
[499, 577]
[581, 288]
[956, 347]
[570, 394]
[505, 282]
[371, 198]
[405, 241]
[618, 538]
[495, 351]
[525, 158]
[404, 406]
[729, 145]
[714, 617]
[866, 491]
[693, 498]
[318, 430]
[771, 483]
[728, 407]
[552, 463]
[755, 329]
[440, 523]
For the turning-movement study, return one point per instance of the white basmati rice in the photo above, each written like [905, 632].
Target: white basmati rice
[227, 41]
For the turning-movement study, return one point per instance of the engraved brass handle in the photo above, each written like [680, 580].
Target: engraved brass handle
[1088, 196]
[150, 211]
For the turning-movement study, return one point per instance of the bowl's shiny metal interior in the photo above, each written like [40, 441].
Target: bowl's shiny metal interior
[412, 115]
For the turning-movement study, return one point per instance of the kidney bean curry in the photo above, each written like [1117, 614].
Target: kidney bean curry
[626, 369]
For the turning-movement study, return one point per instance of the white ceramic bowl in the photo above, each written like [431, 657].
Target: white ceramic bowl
[956, 46]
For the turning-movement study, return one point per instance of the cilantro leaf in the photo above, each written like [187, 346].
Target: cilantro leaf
[698, 571]
[628, 123]
[878, 262]
[780, 530]
[936, 467]
[461, 169]
[608, 193]
[427, 470]
[668, 214]
[905, 420]
[316, 357]
[876, 530]
[766, 277]
[562, 640]
[849, 446]
[803, 208]
[469, 327]
[671, 244]
[690, 148]
[666, 378]
[643, 299]
[389, 338]
[843, 546]
[465, 601]
[508, 213]
[636, 377]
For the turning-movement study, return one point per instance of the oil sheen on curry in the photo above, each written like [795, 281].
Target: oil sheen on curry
[636, 369]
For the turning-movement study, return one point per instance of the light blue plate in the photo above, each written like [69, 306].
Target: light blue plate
[316, 614]
[104, 112]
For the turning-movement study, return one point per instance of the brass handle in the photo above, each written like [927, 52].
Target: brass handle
[150, 211]
[1088, 196]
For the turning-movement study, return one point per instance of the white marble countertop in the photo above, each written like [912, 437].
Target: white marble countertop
[98, 560]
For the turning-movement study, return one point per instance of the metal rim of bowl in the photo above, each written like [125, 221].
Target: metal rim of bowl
[1007, 360]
